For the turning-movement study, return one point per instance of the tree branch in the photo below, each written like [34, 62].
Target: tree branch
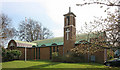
[111, 4]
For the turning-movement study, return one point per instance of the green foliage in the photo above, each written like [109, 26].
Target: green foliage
[3, 51]
[9, 55]
[109, 54]
[71, 57]
[56, 57]
[4, 54]
[16, 54]
[54, 54]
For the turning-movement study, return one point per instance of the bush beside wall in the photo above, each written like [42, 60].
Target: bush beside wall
[9, 55]
[69, 58]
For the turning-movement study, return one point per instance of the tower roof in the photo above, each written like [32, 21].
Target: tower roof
[70, 12]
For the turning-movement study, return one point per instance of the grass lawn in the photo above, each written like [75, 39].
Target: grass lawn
[48, 64]
[33, 65]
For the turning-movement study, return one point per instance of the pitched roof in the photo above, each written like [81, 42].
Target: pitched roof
[49, 42]
[85, 36]
[59, 40]
[69, 14]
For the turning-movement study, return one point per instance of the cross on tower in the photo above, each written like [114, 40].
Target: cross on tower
[67, 33]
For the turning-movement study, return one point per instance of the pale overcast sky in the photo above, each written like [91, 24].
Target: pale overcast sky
[50, 12]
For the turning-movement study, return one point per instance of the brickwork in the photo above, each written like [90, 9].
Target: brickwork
[99, 55]
[38, 53]
[44, 53]
[60, 50]
[69, 32]
[30, 53]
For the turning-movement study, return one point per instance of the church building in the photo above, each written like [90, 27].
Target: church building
[43, 49]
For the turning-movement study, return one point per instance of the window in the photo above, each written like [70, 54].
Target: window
[67, 51]
[68, 20]
[54, 49]
[117, 52]
[57, 49]
[93, 58]
[12, 47]
[73, 21]
[54, 44]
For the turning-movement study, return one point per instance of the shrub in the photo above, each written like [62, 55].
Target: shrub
[9, 55]
[56, 57]
[16, 54]
[3, 52]
[68, 58]
[54, 54]
[73, 58]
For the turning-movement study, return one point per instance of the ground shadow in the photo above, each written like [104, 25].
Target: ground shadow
[43, 65]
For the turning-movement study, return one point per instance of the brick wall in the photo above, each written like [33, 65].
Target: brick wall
[30, 53]
[45, 53]
[39, 52]
[99, 55]
[60, 50]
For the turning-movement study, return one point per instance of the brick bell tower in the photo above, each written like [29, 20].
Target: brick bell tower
[69, 31]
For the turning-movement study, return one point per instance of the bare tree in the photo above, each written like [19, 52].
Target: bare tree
[112, 29]
[90, 30]
[101, 2]
[6, 30]
[33, 30]
[111, 24]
